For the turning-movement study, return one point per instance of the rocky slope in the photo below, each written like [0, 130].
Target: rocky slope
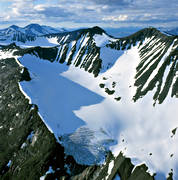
[29, 149]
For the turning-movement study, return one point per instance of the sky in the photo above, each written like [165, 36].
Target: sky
[83, 13]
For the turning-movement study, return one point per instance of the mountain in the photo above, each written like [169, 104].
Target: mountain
[28, 33]
[90, 106]
[169, 31]
[37, 30]
[173, 31]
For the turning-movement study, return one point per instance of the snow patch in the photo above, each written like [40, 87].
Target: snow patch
[117, 177]
[21, 84]
[102, 40]
[50, 171]
[110, 167]
[23, 145]
[30, 136]
[9, 163]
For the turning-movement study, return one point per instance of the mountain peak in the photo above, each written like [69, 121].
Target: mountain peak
[14, 27]
[97, 30]
[94, 30]
[35, 27]
[32, 26]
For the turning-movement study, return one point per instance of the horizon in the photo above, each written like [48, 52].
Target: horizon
[76, 14]
[132, 28]
[115, 32]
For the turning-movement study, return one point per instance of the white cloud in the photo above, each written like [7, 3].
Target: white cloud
[116, 18]
[106, 13]
[39, 7]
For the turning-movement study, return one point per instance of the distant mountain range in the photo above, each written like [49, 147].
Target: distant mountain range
[173, 31]
[27, 33]
[126, 31]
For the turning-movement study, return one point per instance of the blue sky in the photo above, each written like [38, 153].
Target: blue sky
[83, 13]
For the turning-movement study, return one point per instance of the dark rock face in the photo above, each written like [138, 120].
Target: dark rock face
[27, 148]
[122, 166]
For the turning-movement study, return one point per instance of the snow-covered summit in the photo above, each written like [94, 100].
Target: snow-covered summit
[37, 30]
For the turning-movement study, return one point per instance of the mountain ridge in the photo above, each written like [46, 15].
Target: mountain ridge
[49, 31]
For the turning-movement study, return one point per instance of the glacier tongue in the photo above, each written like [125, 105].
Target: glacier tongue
[87, 146]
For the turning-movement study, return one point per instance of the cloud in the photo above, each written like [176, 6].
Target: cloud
[20, 7]
[53, 11]
[103, 12]
[113, 2]
[116, 18]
